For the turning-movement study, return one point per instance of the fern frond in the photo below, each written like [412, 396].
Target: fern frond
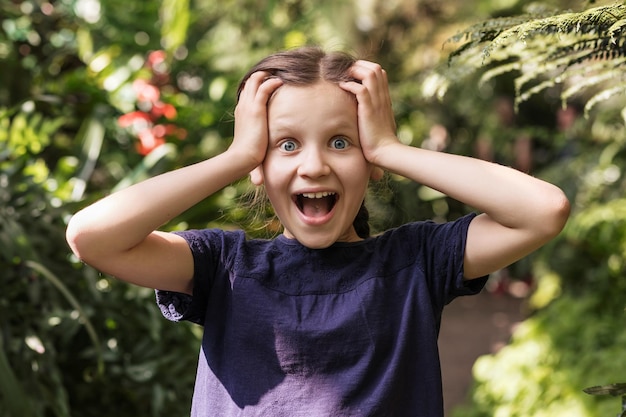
[593, 21]
[501, 32]
[587, 82]
[603, 96]
[499, 70]
[488, 30]
[520, 98]
[576, 44]
[617, 28]
[581, 50]
[537, 67]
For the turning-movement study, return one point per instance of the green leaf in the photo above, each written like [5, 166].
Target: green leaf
[91, 135]
[174, 16]
[14, 399]
[91, 331]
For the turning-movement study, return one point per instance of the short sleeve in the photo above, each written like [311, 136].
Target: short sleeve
[207, 247]
[455, 248]
[173, 305]
[443, 260]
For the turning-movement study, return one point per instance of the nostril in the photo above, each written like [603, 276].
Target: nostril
[314, 166]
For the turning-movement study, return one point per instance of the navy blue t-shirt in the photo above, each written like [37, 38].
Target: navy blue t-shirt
[350, 330]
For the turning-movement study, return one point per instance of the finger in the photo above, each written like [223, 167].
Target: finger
[256, 92]
[267, 88]
[374, 78]
[372, 91]
[250, 85]
[369, 73]
[373, 87]
[259, 82]
[361, 93]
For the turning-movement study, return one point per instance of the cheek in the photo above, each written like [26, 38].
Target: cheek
[276, 181]
[358, 174]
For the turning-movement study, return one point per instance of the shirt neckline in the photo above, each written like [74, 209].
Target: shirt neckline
[294, 242]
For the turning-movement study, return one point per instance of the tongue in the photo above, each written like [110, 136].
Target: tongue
[315, 207]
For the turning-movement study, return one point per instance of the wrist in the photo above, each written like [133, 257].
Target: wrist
[244, 158]
[384, 154]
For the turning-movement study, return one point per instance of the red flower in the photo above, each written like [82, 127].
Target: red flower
[148, 141]
[169, 130]
[156, 59]
[142, 123]
[163, 109]
[146, 91]
[138, 120]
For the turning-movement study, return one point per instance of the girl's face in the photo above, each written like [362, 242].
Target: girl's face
[314, 171]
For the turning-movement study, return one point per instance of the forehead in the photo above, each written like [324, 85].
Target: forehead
[323, 103]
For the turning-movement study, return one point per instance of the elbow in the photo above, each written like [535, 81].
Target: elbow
[72, 235]
[77, 238]
[557, 212]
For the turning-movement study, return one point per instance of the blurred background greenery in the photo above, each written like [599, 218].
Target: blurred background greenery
[98, 94]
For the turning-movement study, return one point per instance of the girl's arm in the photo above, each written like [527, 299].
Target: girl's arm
[117, 235]
[520, 213]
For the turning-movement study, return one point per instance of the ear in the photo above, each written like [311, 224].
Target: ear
[377, 174]
[256, 175]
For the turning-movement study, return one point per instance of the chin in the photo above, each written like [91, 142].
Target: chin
[316, 243]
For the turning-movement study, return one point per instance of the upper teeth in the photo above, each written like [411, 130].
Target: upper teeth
[317, 195]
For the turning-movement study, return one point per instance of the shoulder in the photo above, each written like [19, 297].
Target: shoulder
[422, 242]
[227, 246]
[424, 232]
[201, 240]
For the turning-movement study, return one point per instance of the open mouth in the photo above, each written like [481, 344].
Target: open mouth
[316, 204]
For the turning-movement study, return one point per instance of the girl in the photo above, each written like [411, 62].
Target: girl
[322, 320]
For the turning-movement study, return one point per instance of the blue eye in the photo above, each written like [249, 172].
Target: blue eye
[340, 143]
[288, 146]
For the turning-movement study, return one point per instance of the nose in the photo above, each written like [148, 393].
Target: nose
[313, 164]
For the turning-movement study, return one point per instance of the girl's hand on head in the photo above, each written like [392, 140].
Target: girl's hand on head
[251, 130]
[377, 126]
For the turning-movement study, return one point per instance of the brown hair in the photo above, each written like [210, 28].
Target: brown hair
[306, 66]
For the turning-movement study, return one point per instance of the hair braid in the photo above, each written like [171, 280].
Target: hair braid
[361, 222]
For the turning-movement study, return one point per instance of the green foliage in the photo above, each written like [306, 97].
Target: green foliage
[575, 335]
[67, 333]
[551, 358]
[583, 52]
[575, 339]
[68, 342]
